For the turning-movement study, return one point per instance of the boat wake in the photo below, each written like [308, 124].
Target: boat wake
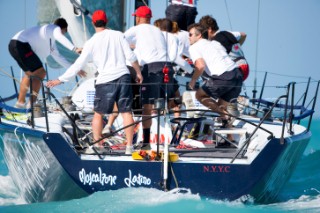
[305, 179]
[9, 194]
[304, 203]
[133, 199]
[123, 200]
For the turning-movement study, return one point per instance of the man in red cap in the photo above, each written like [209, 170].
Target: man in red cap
[109, 50]
[151, 49]
[143, 12]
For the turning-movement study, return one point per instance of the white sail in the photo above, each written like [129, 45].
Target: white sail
[77, 30]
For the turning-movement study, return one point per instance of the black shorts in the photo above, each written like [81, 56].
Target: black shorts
[226, 86]
[153, 86]
[118, 91]
[183, 15]
[175, 85]
[24, 55]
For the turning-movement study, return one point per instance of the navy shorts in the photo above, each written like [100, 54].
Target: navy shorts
[118, 91]
[24, 55]
[153, 86]
[226, 86]
[175, 85]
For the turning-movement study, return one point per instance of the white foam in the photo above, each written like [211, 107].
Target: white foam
[9, 194]
[303, 203]
[127, 199]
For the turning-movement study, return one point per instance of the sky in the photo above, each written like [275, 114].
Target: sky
[281, 35]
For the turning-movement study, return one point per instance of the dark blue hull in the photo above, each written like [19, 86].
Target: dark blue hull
[263, 178]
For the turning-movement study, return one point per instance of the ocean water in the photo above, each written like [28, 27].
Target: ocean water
[301, 194]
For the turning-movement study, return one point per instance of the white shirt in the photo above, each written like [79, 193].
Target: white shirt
[236, 50]
[108, 50]
[215, 56]
[42, 40]
[171, 45]
[236, 34]
[180, 48]
[150, 44]
[190, 3]
[183, 37]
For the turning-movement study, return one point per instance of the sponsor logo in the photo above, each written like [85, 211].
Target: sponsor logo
[137, 180]
[89, 178]
[100, 177]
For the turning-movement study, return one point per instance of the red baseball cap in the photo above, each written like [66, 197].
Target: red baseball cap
[143, 11]
[99, 15]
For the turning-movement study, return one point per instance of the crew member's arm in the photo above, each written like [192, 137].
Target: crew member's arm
[199, 66]
[131, 57]
[136, 67]
[73, 70]
[130, 36]
[58, 36]
[243, 37]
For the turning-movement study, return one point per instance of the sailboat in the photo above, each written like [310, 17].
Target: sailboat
[51, 155]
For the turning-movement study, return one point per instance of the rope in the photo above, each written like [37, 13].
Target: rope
[84, 27]
[19, 82]
[145, 3]
[10, 76]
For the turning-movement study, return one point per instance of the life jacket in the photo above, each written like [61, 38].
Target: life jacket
[229, 41]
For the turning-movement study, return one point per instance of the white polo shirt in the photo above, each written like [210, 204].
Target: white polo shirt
[108, 50]
[184, 45]
[42, 40]
[215, 56]
[149, 42]
[190, 3]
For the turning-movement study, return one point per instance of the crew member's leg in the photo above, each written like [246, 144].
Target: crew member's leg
[129, 131]
[103, 104]
[30, 63]
[36, 84]
[112, 117]
[97, 125]
[146, 123]
[24, 87]
[124, 104]
[209, 102]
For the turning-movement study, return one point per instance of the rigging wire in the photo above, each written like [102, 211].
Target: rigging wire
[257, 44]
[4, 73]
[25, 14]
[283, 75]
[228, 14]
